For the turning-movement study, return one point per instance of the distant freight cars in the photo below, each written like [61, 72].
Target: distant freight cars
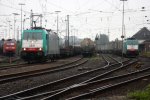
[88, 47]
[68, 51]
[39, 44]
[129, 45]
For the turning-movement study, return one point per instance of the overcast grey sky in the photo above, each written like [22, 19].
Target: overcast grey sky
[87, 17]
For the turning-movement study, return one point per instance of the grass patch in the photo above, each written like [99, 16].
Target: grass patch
[96, 57]
[146, 54]
[140, 95]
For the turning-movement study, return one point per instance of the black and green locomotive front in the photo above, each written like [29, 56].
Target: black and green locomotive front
[131, 47]
[33, 45]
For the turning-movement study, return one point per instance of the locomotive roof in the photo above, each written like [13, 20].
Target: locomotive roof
[131, 38]
[38, 28]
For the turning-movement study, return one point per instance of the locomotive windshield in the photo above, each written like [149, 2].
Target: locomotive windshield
[32, 36]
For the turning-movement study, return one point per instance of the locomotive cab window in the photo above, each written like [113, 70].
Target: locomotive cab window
[46, 36]
[32, 36]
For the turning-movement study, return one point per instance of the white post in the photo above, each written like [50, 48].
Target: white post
[57, 20]
[21, 4]
[15, 23]
[122, 25]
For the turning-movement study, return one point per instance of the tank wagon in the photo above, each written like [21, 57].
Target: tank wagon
[87, 46]
[9, 47]
[39, 44]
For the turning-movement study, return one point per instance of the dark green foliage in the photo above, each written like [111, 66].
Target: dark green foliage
[140, 95]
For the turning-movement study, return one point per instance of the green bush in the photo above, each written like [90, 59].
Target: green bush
[140, 95]
[146, 54]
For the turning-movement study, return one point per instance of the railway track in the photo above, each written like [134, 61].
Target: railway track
[5, 60]
[111, 59]
[92, 93]
[70, 89]
[24, 64]
[21, 75]
[88, 90]
[4, 67]
[57, 85]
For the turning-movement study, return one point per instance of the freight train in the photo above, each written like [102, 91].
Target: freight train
[68, 51]
[130, 47]
[39, 44]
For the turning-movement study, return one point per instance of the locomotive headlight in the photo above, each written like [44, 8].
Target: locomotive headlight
[24, 49]
[40, 49]
[12, 44]
[32, 42]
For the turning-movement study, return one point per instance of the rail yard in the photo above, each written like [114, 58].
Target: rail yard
[74, 78]
[74, 50]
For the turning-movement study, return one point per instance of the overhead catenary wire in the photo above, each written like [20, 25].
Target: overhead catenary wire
[85, 19]
[8, 6]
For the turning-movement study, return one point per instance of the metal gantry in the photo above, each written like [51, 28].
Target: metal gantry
[123, 34]
[21, 4]
[57, 12]
[15, 14]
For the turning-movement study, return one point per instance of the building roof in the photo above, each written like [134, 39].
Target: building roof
[143, 34]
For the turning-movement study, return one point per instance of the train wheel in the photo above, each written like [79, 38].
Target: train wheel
[29, 62]
[52, 59]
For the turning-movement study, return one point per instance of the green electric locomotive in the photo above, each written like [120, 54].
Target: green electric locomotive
[39, 44]
[130, 47]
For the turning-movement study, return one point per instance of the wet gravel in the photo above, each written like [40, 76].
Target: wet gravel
[38, 66]
[112, 94]
[122, 91]
[26, 83]
[100, 84]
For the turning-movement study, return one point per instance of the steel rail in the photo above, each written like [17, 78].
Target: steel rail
[15, 76]
[94, 91]
[89, 84]
[113, 59]
[84, 82]
[24, 92]
[51, 92]
[44, 85]
[6, 60]
[4, 67]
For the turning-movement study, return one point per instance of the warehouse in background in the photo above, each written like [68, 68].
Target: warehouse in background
[143, 36]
